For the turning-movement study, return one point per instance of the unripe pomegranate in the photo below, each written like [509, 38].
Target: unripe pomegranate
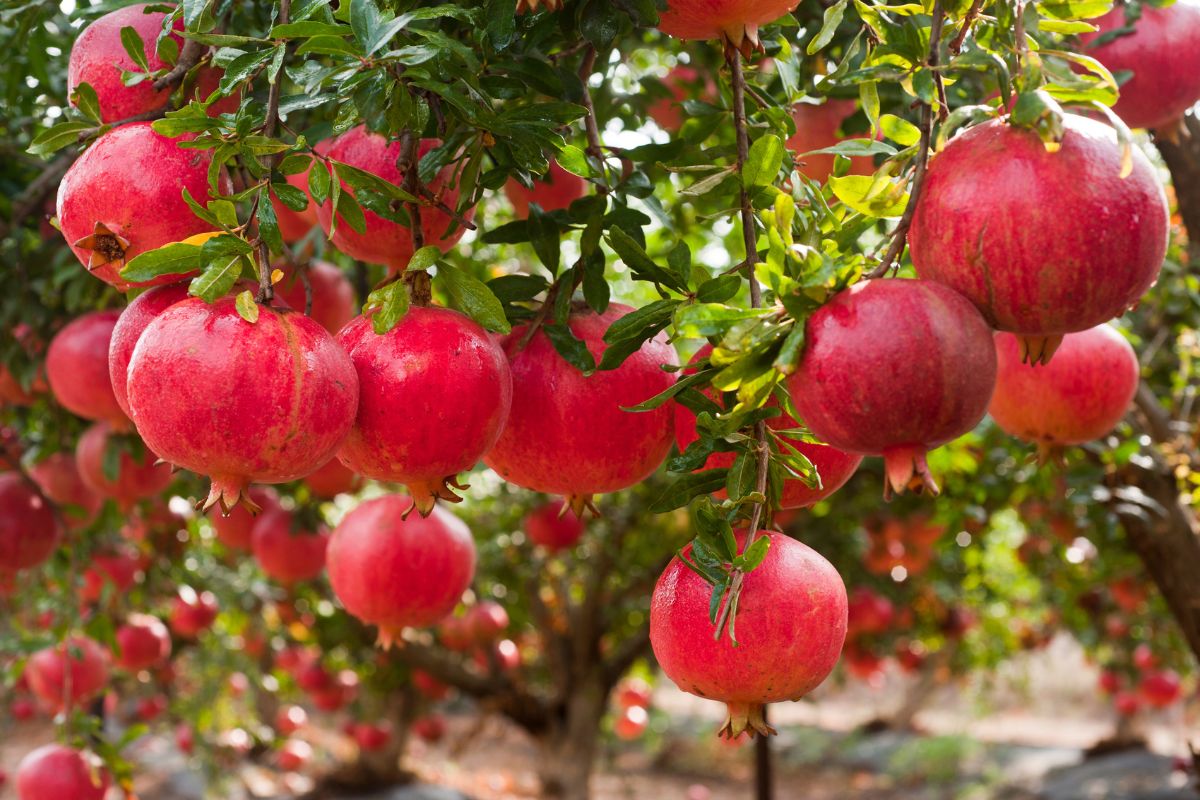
[290, 719]
[137, 478]
[193, 612]
[29, 530]
[556, 190]
[868, 613]
[568, 433]
[333, 479]
[816, 129]
[486, 621]
[56, 772]
[83, 659]
[1161, 53]
[115, 572]
[1044, 243]
[386, 242]
[236, 529]
[294, 755]
[430, 728]
[143, 642]
[733, 21]
[372, 737]
[895, 368]
[791, 624]
[133, 320]
[124, 197]
[268, 401]
[683, 82]
[1160, 689]
[633, 692]
[1078, 397]
[394, 570]
[430, 686]
[553, 526]
[284, 554]
[631, 723]
[58, 477]
[77, 368]
[333, 300]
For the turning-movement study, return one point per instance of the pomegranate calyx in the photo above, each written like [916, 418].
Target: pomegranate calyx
[579, 504]
[229, 493]
[426, 495]
[1038, 349]
[106, 246]
[745, 718]
[906, 468]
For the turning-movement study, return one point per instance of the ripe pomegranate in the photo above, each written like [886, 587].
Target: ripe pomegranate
[185, 738]
[77, 368]
[486, 621]
[12, 392]
[454, 634]
[290, 719]
[1144, 658]
[29, 529]
[895, 368]
[1162, 55]
[143, 642]
[284, 554]
[238, 684]
[294, 755]
[1044, 243]
[124, 197]
[1080, 396]
[633, 692]
[332, 479]
[333, 300]
[502, 656]
[864, 665]
[151, 708]
[236, 529]
[192, 612]
[133, 320]
[551, 526]
[910, 656]
[373, 737]
[554, 191]
[386, 242]
[683, 82]
[56, 772]
[631, 723]
[22, 709]
[85, 660]
[394, 570]
[567, 433]
[791, 624]
[1127, 703]
[817, 127]
[868, 613]
[733, 21]
[268, 401]
[430, 686]
[1161, 688]
[114, 572]
[1110, 682]
[313, 678]
[58, 477]
[137, 478]
[440, 369]
[340, 694]
[430, 728]
[1129, 593]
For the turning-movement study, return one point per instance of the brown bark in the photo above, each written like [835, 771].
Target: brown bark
[569, 746]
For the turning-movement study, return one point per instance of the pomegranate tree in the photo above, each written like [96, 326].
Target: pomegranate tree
[138, 474]
[1045, 241]
[285, 554]
[550, 526]
[333, 302]
[732, 21]
[895, 368]
[125, 334]
[77, 368]
[29, 529]
[69, 673]
[56, 772]
[143, 642]
[58, 477]
[556, 190]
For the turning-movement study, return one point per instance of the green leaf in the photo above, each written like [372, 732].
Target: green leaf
[85, 99]
[308, 28]
[110, 463]
[829, 26]
[135, 47]
[290, 196]
[635, 257]
[217, 279]
[627, 335]
[700, 320]
[351, 212]
[741, 478]
[573, 350]
[268, 227]
[54, 139]
[501, 16]
[681, 490]
[424, 258]
[386, 306]
[866, 194]
[720, 289]
[319, 181]
[546, 239]
[674, 389]
[900, 131]
[246, 307]
[754, 555]
[170, 259]
[763, 161]
[472, 296]
[575, 161]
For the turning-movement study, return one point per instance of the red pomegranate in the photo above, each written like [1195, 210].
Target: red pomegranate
[683, 82]
[568, 433]
[1161, 688]
[235, 529]
[1129, 593]
[435, 392]
[394, 570]
[556, 190]
[340, 694]
[553, 526]
[115, 572]
[486, 621]
[333, 301]
[631, 723]
[185, 738]
[817, 127]
[29, 529]
[55, 772]
[1163, 56]
[1144, 658]
[138, 476]
[294, 755]
[791, 624]
[501, 656]
[1110, 682]
[633, 692]
[1078, 397]
[333, 479]
[77, 368]
[869, 613]
[863, 664]
[290, 719]
[124, 197]
[1127, 703]
[192, 612]
[13, 392]
[143, 642]
[151, 708]
[84, 660]
[133, 320]
[22, 709]
[386, 242]
[284, 554]
[431, 728]
[430, 686]
[911, 656]
[733, 21]
[268, 401]
[58, 477]
[1044, 243]
[372, 737]
[895, 368]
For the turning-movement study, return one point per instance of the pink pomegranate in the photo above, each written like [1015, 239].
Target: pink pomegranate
[193, 612]
[333, 479]
[84, 660]
[895, 368]
[790, 626]
[733, 21]
[133, 320]
[143, 642]
[394, 570]
[268, 401]
[553, 526]
[185, 738]
[55, 772]
[817, 127]
[12, 392]
[138, 474]
[285, 554]
[1163, 56]
[386, 242]
[556, 190]
[683, 82]
[1161, 688]
[333, 301]
[1044, 243]
[124, 197]
[454, 633]
[441, 370]
[631, 723]
[114, 572]
[486, 621]
[29, 530]
[1144, 658]
[568, 433]
[1078, 397]
[58, 477]
[77, 368]
[236, 528]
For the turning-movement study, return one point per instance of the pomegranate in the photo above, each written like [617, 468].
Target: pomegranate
[115, 572]
[386, 242]
[817, 127]
[268, 401]
[56, 772]
[124, 197]
[1044, 243]
[1110, 682]
[554, 191]
[431, 728]
[22, 709]
[193, 612]
[1144, 658]
[313, 678]
[238, 684]
[503, 656]
[133, 320]
[1162, 55]
[682, 82]
[868, 613]
[77, 368]
[372, 737]
[633, 692]
[294, 755]
[864, 665]
[13, 392]
[443, 371]
[631, 723]
[29, 529]
[1080, 396]
[333, 479]
[911, 656]
[58, 477]
[430, 686]
[333, 301]
[791, 624]
[733, 21]
[236, 529]
[82, 661]
[1127, 703]
[284, 554]
[138, 477]
[185, 738]
[895, 368]
[1129, 593]
[550, 526]
[290, 719]
[568, 433]
[486, 621]
[151, 708]
[394, 570]
[454, 634]
[143, 642]
[1161, 688]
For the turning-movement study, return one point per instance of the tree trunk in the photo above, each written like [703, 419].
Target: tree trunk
[569, 747]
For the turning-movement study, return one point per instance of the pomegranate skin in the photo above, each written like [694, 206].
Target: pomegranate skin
[333, 303]
[133, 320]
[136, 479]
[386, 242]
[436, 367]
[1163, 53]
[734, 21]
[554, 191]
[59, 479]
[681, 81]
[791, 625]
[77, 368]
[551, 526]
[193, 613]
[236, 528]
[143, 642]
[1080, 396]
[55, 772]
[332, 479]
[1043, 243]
[396, 570]
[567, 433]
[29, 531]
[895, 368]
[87, 662]
[268, 401]
[285, 555]
[817, 128]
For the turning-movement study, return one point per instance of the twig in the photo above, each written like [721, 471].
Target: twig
[189, 56]
[265, 290]
[956, 44]
[420, 287]
[593, 130]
